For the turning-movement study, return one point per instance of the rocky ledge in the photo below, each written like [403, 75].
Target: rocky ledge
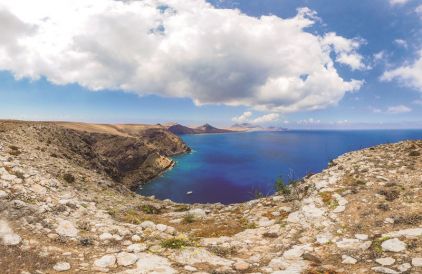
[362, 214]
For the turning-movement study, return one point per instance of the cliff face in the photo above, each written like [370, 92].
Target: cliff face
[60, 211]
[130, 155]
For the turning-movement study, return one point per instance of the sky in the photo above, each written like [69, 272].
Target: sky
[295, 64]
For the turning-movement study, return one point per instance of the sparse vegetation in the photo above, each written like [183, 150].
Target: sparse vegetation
[376, 244]
[149, 209]
[328, 199]
[414, 153]
[175, 243]
[69, 178]
[188, 219]
[281, 187]
[389, 194]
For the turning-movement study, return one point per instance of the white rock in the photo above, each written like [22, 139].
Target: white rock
[136, 248]
[136, 238]
[126, 259]
[404, 267]
[3, 194]
[161, 227]
[36, 188]
[147, 224]
[106, 236]
[348, 260]
[61, 266]
[408, 233]
[11, 239]
[296, 252]
[393, 245]
[190, 268]
[198, 213]
[362, 237]
[417, 262]
[353, 244]
[66, 228]
[149, 264]
[192, 256]
[105, 261]
[385, 270]
[339, 209]
[389, 221]
[265, 222]
[385, 261]
[324, 238]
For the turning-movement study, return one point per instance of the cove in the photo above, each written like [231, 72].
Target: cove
[231, 168]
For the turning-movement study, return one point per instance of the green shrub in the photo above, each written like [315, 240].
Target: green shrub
[281, 187]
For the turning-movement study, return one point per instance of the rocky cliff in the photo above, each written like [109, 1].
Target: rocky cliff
[62, 212]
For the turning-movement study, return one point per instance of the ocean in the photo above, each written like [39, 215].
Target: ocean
[234, 167]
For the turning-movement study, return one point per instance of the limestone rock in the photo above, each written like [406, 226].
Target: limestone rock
[66, 228]
[385, 261]
[105, 261]
[126, 259]
[348, 260]
[393, 245]
[61, 266]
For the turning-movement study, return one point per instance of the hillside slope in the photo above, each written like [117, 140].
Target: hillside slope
[360, 215]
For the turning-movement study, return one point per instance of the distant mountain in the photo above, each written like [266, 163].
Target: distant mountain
[179, 129]
[252, 127]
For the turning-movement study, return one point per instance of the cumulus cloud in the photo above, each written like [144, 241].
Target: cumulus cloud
[266, 118]
[346, 50]
[247, 117]
[242, 118]
[409, 74]
[179, 48]
[399, 109]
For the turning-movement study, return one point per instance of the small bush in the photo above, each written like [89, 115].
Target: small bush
[390, 195]
[149, 209]
[181, 208]
[188, 219]
[328, 199]
[281, 187]
[175, 243]
[13, 147]
[69, 178]
[414, 153]
[131, 216]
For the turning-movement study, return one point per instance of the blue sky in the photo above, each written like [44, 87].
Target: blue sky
[377, 84]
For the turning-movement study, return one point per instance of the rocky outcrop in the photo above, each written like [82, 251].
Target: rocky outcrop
[360, 215]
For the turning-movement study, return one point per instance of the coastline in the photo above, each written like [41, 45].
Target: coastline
[362, 210]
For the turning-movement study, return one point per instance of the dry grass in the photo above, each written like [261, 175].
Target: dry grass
[13, 261]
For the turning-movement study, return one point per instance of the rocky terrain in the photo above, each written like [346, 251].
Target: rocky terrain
[66, 206]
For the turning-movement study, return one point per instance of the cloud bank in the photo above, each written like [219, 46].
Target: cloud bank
[246, 117]
[175, 48]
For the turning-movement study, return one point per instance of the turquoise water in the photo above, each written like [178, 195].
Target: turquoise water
[230, 168]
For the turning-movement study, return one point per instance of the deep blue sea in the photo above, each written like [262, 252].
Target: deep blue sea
[230, 168]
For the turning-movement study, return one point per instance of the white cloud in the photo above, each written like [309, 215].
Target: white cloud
[400, 42]
[399, 109]
[409, 74]
[178, 48]
[247, 117]
[346, 50]
[242, 118]
[398, 2]
[418, 10]
[266, 118]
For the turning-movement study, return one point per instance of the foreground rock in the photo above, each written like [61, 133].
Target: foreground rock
[66, 206]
